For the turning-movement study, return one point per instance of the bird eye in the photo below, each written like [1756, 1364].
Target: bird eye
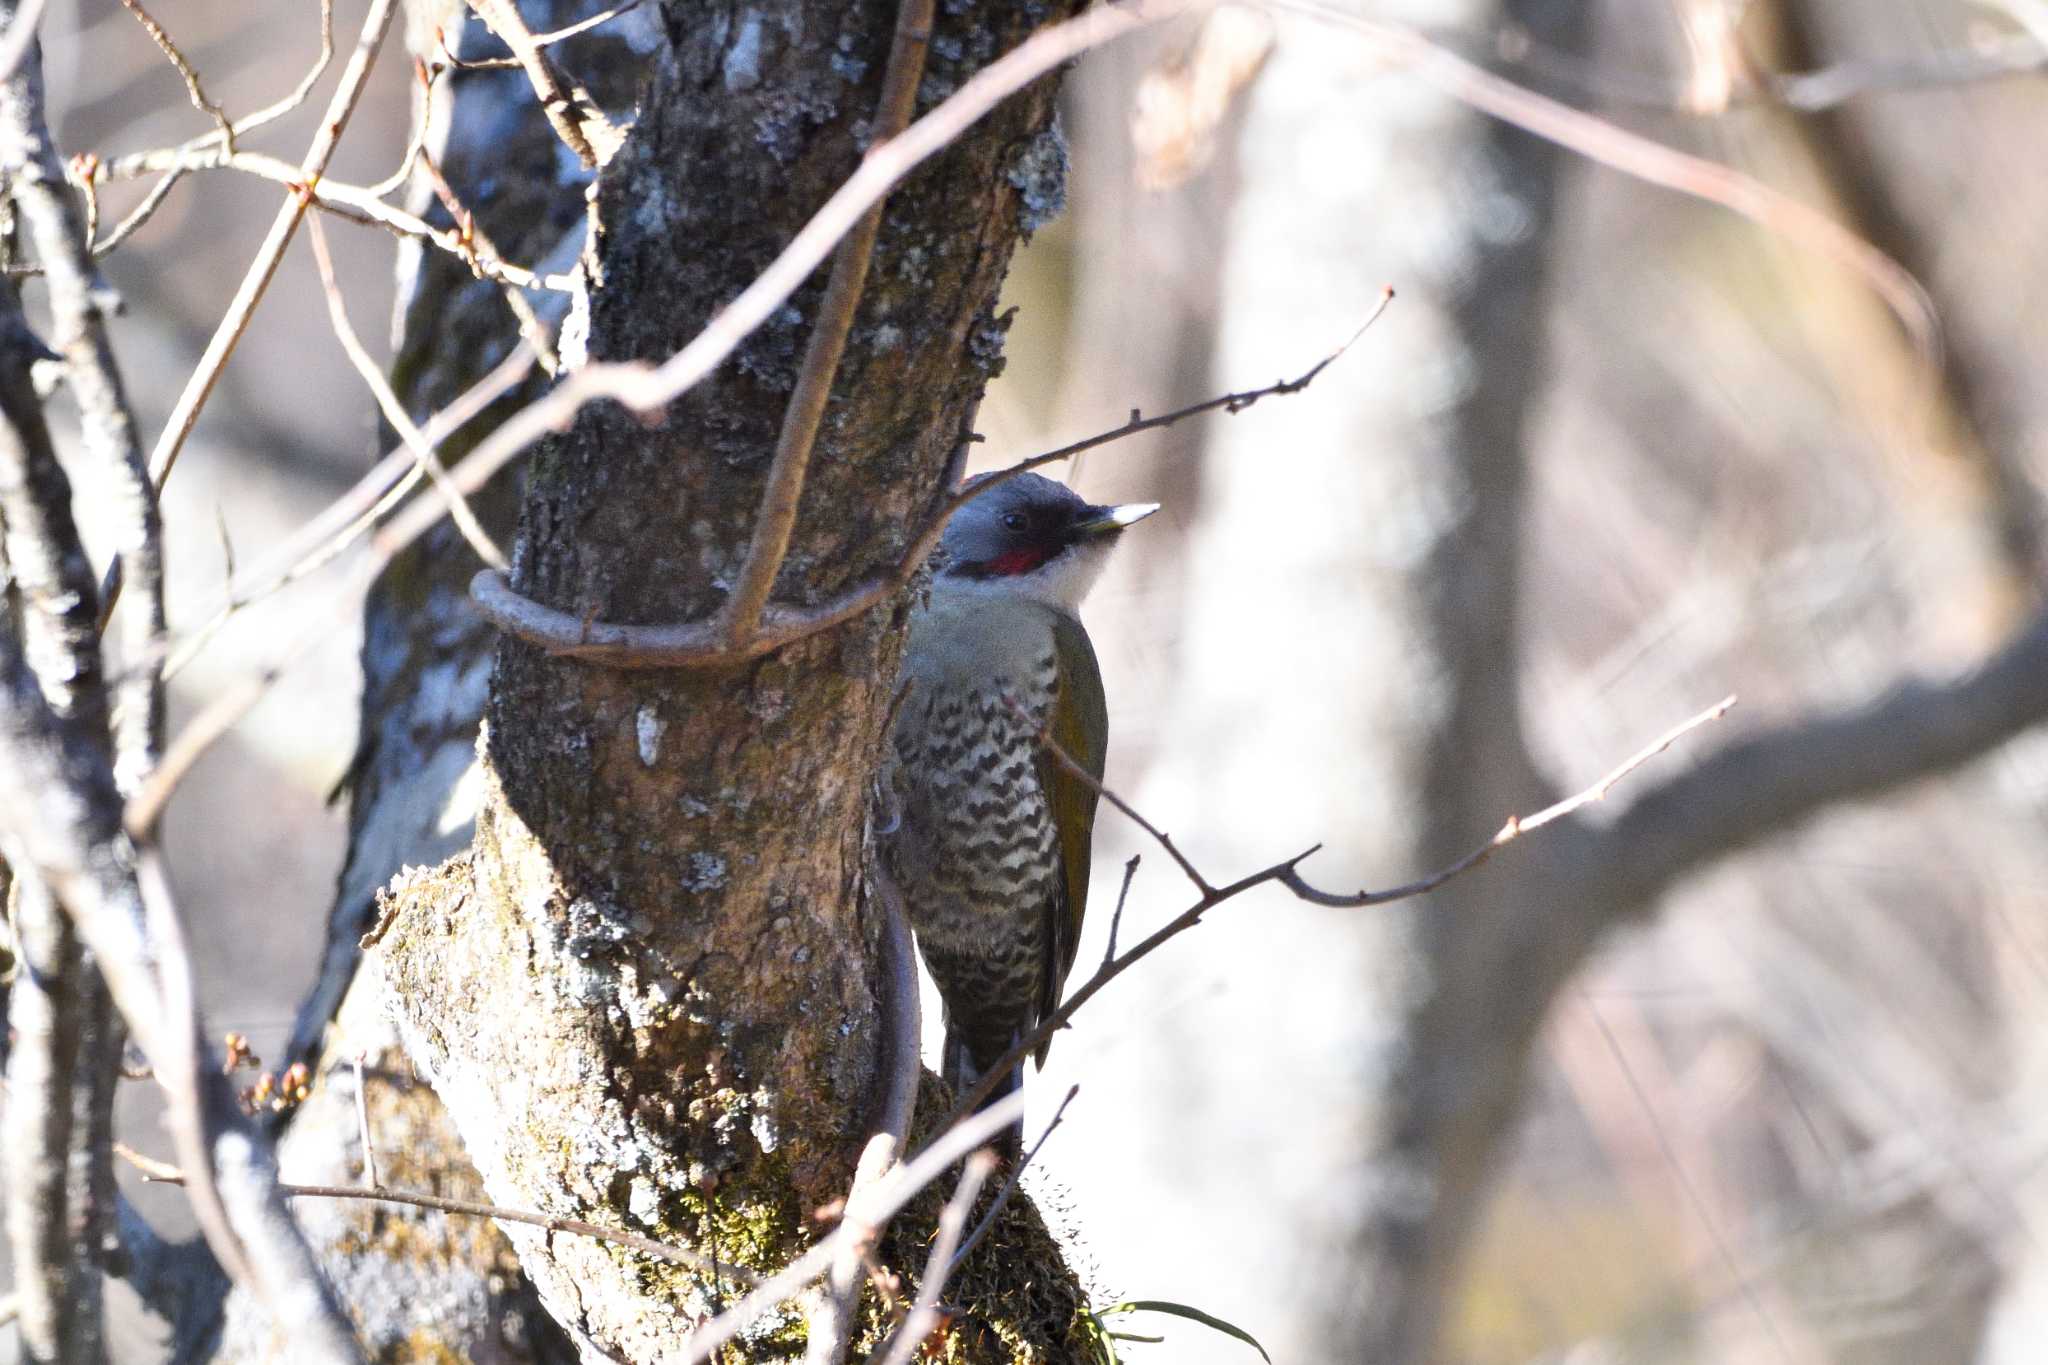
[1013, 521]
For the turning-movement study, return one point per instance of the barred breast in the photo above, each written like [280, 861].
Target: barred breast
[974, 850]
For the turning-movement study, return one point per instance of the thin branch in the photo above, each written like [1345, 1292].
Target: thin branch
[1608, 143]
[700, 644]
[1808, 92]
[1766, 783]
[563, 34]
[1010, 1186]
[1830, 86]
[139, 215]
[832, 1317]
[569, 112]
[61, 810]
[158, 1172]
[477, 244]
[201, 733]
[316, 544]
[327, 542]
[270, 113]
[416, 144]
[208, 150]
[1116, 919]
[361, 204]
[352, 515]
[195, 89]
[891, 1193]
[370, 1181]
[1130, 812]
[1745, 1284]
[354, 76]
[394, 411]
[1517, 825]
[1286, 874]
[924, 1313]
[540, 40]
[776, 519]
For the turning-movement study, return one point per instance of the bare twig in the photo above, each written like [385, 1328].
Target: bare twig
[349, 517]
[568, 31]
[1116, 919]
[1094, 784]
[200, 386]
[139, 215]
[1829, 86]
[61, 810]
[569, 112]
[163, 1173]
[416, 144]
[1814, 91]
[394, 411]
[209, 150]
[270, 113]
[924, 1312]
[361, 204]
[195, 89]
[1517, 825]
[1286, 874]
[776, 519]
[832, 1317]
[219, 715]
[890, 1193]
[474, 240]
[105, 246]
[317, 544]
[1765, 783]
[1608, 143]
[540, 40]
[701, 644]
[1010, 1186]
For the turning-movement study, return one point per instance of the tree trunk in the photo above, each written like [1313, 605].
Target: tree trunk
[649, 995]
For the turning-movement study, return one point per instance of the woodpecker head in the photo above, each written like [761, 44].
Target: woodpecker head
[1032, 537]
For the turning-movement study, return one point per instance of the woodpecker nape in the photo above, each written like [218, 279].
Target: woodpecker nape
[989, 838]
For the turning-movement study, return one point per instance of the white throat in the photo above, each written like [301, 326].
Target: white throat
[1060, 583]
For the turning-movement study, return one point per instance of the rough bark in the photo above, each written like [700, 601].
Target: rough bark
[649, 995]
[424, 1285]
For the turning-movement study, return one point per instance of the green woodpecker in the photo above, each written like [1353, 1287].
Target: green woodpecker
[988, 838]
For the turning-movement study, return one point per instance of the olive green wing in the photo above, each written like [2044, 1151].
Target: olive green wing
[1080, 727]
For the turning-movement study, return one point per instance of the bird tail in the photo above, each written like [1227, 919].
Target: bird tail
[962, 1073]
